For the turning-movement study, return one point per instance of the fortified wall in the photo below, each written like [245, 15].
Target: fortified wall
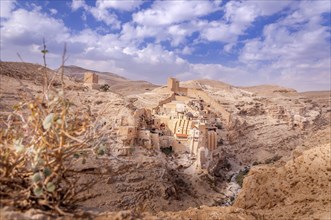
[199, 94]
[173, 85]
[171, 98]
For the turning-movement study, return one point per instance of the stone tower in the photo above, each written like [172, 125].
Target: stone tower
[173, 85]
[90, 77]
[91, 80]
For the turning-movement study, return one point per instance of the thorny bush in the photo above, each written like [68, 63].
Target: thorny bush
[39, 142]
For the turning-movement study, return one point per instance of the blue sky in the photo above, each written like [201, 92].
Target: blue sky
[239, 42]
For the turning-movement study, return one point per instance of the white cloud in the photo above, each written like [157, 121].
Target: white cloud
[176, 34]
[23, 30]
[26, 27]
[218, 31]
[154, 55]
[53, 11]
[175, 21]
[105, 16]
[239, 15]
[77, 4]
[100, 12]
[6, 7]
[174, 12]
[130, 32]
[295, 51]
[187, 50]
[127, 5]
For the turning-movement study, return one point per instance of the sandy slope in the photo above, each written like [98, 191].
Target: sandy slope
[300, 189]
[118, 84]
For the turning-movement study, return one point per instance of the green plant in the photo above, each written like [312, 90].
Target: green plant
[105, 88]
[219, 125]
[167, 150]
[241, 175]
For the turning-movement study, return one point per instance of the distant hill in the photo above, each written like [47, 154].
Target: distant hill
[270, 90]
[24, 71]
[201, 83]
[118, 84]
[78, 73]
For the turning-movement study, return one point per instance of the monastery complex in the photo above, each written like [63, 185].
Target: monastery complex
[186, 121]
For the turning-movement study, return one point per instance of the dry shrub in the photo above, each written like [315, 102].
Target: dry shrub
[40, 142]
[38, 147]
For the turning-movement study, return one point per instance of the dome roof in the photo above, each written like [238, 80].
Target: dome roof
[189, 114]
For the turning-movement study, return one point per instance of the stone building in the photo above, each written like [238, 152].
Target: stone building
[90, 77]
[91, 80]
[173, 85]
[184, 121]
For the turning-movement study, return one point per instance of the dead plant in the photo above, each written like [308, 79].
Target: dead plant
[42, 139]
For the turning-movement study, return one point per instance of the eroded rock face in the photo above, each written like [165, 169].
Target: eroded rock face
[300, 189]
[219, 166]
[264, 124]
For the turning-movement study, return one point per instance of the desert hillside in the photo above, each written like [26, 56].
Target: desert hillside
[299, 189]
[266, 154]
[118, 84]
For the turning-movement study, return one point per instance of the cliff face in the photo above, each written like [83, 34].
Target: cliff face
[299, 189]
[266, 124]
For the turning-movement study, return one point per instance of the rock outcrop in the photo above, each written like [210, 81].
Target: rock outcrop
[300, 189]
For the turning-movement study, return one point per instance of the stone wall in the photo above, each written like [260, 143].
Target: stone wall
[199, 94]
[167, 100]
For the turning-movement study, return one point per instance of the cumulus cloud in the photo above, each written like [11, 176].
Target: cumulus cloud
[150, 45]
[53, 11]
[6, 7]
[172, 12]
[118, 4]
[24, 30]
[100, 12]
[295, 48]
[26, 27]
[77, 4]
[105, 16]
[238, 17]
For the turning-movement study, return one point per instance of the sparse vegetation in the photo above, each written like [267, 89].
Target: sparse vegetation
[105, 88]
[40, 142]
[273, 159]
[219, 125]
[241, 175]
[167, 150]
